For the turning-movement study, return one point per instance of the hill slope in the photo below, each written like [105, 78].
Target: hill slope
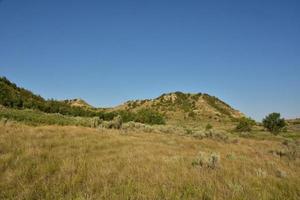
[175, 107]
[78, 103]
[16, 97]
[185, 106]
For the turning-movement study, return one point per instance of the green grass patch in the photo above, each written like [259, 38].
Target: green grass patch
[34, 117]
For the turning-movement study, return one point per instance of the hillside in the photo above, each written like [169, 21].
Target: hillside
[185, 106]
[177, 107]
[78, 103]
[13, 96]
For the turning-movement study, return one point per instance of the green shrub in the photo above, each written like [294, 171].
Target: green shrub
[148, 116]
[245, 125]
[145, 116]
[208, 127]
[35, 118]
[192, 114]
[274, 123]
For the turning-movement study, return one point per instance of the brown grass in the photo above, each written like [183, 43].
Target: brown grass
[53, 162]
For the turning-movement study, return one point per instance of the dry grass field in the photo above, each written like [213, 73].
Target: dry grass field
[55, 162]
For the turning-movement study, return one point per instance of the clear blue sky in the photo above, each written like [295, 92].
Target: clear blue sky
[106, 52]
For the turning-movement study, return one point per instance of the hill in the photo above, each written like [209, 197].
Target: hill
[78, 103]
[177, 107]
[13, 96]
[185, 106]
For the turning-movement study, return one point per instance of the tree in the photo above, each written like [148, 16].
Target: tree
[274, 123]
[245, 125]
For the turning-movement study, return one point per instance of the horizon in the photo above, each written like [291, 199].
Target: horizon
[106, 53]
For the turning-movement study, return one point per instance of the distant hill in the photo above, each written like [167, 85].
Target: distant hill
[78, 103]
[185, 106]
[294, 124]
[16, 97]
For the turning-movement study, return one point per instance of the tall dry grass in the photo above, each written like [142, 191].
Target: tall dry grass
[54, 162]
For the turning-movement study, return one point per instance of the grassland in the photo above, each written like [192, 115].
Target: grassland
[36, 118]
[68, 162]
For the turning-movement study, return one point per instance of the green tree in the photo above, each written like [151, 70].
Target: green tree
[274, 123]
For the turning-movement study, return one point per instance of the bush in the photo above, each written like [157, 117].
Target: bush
[211, 160]
[116, 123]
[148, 116]
[208, 127]
[274, 123]
[95, 122]
[245, 125]
[35, 118]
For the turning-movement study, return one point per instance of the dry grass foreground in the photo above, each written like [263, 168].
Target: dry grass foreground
[53, 162]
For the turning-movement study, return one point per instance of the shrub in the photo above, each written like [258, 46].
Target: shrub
[281, 174]
[211, 160]
[116, 123]
[95, 122]
[188, 131]
[34, 117]
[274, 123]
[245, 125]
[208, 127]
[261, 173]
[148, 116]
[192, 114]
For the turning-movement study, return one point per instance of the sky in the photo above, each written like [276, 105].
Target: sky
[246, 53]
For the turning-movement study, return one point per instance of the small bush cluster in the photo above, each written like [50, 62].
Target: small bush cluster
[221, 136]
[116, 123]
[261, 173]
[145, 116]
[34, 117]
[245, 125]
[166, 129]
[292, 152]
[95, 122]
[209, 160]
[208, 127]
[148, 116]
[281, 174]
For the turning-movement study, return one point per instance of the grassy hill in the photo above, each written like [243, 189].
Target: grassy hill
[173, 108]
[13, 96]
[179, 107]
[78, 103]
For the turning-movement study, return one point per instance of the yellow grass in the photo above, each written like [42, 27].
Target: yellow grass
[53, 162]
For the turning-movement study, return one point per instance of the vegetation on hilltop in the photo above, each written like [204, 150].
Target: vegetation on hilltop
[16, 97]
[172, 106]
[179, 106]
